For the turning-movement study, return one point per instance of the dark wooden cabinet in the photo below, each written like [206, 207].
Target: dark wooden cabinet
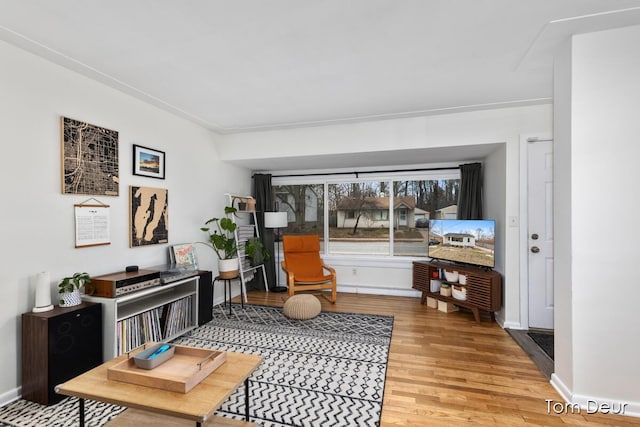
[484, 287]
[58, 345]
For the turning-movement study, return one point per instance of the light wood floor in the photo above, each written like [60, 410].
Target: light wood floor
[447, 370]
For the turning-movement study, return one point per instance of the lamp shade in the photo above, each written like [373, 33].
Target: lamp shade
[275, 219]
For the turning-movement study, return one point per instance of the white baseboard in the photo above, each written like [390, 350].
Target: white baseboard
[352, 289]
[561, 387]
[592, 404]
[377, 290]
[513, 325]
[10, 396]
[613, 406]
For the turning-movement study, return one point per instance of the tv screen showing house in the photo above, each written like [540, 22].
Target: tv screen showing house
[463, 241]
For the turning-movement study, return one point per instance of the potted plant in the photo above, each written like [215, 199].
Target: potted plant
[242, 203]
[245, 204]
[69, 289]
[222, 241]
[256, 251]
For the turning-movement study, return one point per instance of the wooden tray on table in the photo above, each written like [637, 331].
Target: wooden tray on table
[187, 367]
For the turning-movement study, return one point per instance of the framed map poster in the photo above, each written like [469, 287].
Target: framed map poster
[89, 159]
[149, 216]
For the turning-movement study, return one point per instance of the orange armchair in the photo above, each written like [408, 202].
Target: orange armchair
[304, 267]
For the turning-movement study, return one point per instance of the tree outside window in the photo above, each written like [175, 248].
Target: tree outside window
[304, 204]
[416, 203]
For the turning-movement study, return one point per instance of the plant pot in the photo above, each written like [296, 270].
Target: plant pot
[228, 268]
[69, 299]
[242, 206]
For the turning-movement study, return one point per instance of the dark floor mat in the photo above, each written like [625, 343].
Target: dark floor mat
[544, 341]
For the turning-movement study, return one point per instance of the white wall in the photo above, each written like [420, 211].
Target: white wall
[448, 130]
[445, 130]
[602, 177]
[494, 198]
[37, 222]
[563, 215]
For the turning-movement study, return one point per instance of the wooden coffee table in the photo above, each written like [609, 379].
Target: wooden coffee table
[197, 405]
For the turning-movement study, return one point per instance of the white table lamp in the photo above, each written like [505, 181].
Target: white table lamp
[276, 220]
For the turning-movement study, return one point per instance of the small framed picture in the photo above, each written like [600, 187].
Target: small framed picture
[148, 162]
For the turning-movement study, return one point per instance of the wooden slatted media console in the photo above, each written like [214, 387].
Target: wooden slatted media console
[483, 287]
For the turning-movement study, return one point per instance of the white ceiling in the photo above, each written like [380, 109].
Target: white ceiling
[245, 65]
[241, 65]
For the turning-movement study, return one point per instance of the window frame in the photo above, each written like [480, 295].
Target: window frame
[429, 173]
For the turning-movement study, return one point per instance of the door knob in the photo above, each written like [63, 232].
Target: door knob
[534, 236]
[535, 249]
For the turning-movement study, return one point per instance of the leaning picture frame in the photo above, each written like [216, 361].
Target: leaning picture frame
[183, 254]
[148, 162]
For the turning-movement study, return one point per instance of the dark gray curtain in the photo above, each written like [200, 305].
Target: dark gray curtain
[470, 197]
[263, 193]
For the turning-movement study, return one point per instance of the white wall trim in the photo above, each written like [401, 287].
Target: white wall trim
[513, 325]
[10, 396]
[350, 289]
[377, 290]
[589, 403]
[560, 387]
[371, 261]
[523, 224]
[524, 254]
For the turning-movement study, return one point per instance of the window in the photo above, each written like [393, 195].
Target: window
[359, 218]
[381, 215]
[415, 203]
[385, 216]
[304, 204]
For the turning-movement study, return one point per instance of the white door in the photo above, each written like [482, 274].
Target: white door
[402, 218]
[540, 233]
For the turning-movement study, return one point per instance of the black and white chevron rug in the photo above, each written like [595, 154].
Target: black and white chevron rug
[327, 371]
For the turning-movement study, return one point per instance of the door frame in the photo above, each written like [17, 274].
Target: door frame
[523, 223]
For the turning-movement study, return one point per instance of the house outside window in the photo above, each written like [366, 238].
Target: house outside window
[358, 218]
[376, 217]
[304, 204]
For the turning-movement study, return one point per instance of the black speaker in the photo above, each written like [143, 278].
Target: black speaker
[205, 297]
[75, 344]
[58, 345]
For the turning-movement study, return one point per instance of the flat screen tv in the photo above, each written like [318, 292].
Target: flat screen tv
[463, 241]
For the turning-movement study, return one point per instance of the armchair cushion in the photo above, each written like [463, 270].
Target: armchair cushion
[303, 265]
[302, 258]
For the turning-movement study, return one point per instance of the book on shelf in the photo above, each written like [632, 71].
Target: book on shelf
[137, 330]
[155, 325]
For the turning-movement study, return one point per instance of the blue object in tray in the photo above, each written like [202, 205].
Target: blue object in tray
[159, 351]
[154, 356]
